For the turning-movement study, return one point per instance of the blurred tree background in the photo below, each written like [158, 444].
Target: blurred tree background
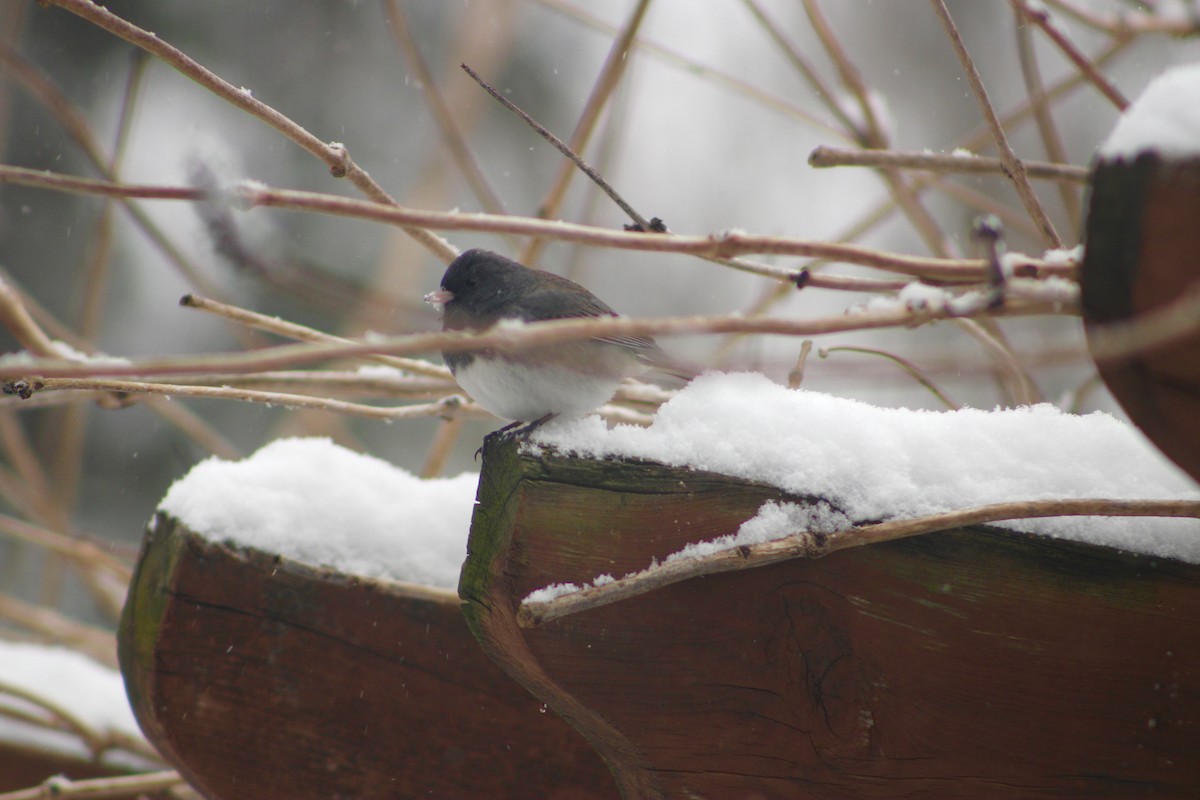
[709, 126]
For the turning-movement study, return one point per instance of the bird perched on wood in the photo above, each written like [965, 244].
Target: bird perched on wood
[480, 288]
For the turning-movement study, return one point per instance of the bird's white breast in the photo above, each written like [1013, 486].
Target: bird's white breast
[517, 391]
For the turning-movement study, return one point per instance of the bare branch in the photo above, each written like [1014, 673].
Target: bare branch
[804, 544]
[334, 154]
[455, 141]
[99, 788]
[302, 333]
[720, 245]
[78, 550]
[563, 148]
[902, 363]
[1124, 25]
[506, 336]
[606, 83]
[937, 162]
[44, 179]
[446, 407]
[1041, 18]
[1047, 128]
[1013, 167]
[15, 316]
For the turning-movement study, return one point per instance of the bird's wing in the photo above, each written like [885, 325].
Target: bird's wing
[548, 303]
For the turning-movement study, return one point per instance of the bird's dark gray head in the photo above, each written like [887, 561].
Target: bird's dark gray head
[482, 282]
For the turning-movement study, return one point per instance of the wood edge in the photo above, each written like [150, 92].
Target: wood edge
[166, 543]
[490, 609]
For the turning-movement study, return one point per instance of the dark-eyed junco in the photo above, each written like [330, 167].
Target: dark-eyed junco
[481, 288]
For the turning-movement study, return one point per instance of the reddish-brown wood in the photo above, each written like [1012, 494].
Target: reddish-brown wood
[1143, 236]
[974, 663]
[261, 678]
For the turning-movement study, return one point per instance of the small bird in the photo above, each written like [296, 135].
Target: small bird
[480, 288]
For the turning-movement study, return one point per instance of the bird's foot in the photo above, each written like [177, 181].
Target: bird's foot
[515, 430]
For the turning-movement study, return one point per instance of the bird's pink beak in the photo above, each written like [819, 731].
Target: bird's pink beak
[439, 298]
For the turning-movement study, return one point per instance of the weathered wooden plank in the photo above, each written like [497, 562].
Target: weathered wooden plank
[259, 677]
[973, 663]
[1143, 234]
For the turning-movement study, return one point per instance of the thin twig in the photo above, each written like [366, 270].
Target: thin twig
[804, 544]
[99, 788]
[982, 137]
[81, 551]
[1024, 392]
[96, 741]
[443, 445]
[1072, 402]
[350, 382]
[1014, 169]
[985, 203]
[447, 406]
[606, 83]
[301, 333]
[882, 211]
[691, 66]
[796, 375]
[899, 361]
[1041, 18]
[76, 126]
[455, 141]
[73, 185]
[1051, 140]
[721, 245]
[642, 223]
[511, 337]
[874, 136]
[191, 425]
[49, 625]
[15, 316]
[1126, 25]
[24, 458]
[335, 155]
[95, 287]
[66, 453]
[938, 162]
[807, 71]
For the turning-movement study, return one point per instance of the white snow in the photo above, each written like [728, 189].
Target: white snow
[1165, 118]
[772, 521]
[875, 463]
[548, 593]
[315, 502]
[64, 351]
[93, 693]
[1064, 255]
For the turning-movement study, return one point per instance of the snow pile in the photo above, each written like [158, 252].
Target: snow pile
[875, 463]
[1165, 118]
[93, 694]
[313, 501]
[772, 520]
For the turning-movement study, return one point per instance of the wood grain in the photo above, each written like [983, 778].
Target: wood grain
[259, 677]
[973, 663]
[1143, 236]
